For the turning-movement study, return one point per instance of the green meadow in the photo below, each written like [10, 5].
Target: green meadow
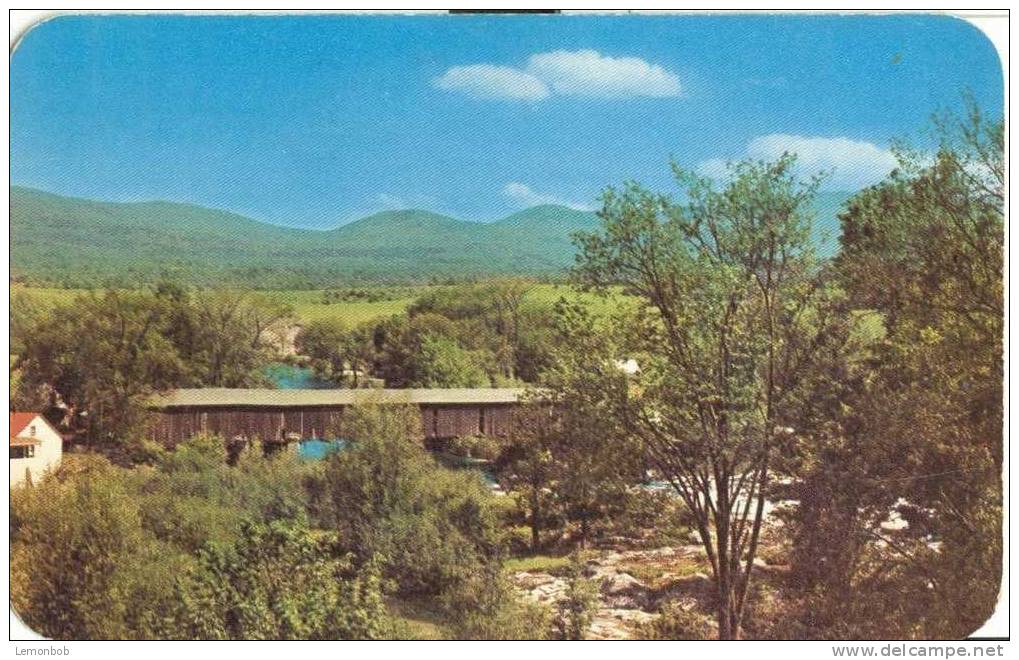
[313, 304]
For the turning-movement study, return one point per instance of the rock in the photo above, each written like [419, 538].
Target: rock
[617, 623]
[623, 591]
[686, 603]
[621, 583]
[631, 616]
[612, 558]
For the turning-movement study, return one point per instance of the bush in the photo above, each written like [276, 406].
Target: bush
[77, 546]
[517, 537]
[677, 623]
[280, 580]
[658, 517]
[484, 607]
[476, 446]
[432, 528]
[575, 612]
[96, 550]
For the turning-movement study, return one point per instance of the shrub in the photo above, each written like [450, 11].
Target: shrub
[677, 622]
[575, 612]
[485, 607]
[432, 528]
[280, 580]
[76, 540]
[476, 446]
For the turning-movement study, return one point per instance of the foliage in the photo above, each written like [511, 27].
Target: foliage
[597, 460]
[463, 336]
[915, 423]
[575, 612]
[85, 517]
[225, 338]
[654, 517]
[477, 446]
[431, 528]
[485, 607]
[527, 466]
[280, 580]
[443, 363]
[678, 623]
[104, 353]
[131, 534]
[337, 352]
[565, 461]
[733, 309]
[124, 245]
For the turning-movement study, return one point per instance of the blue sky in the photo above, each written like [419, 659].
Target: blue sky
[318, 120]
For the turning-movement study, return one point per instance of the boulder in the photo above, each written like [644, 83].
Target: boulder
[623, 591]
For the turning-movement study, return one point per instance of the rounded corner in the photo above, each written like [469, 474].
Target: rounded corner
[32, 28]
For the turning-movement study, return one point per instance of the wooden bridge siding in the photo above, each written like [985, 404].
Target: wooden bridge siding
[451, 421]
[170, 427]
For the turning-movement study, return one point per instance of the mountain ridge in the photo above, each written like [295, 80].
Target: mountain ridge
[72, 241]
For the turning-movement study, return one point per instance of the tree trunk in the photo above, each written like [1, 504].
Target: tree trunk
[535, 520]
[725, 576]
[724, 614]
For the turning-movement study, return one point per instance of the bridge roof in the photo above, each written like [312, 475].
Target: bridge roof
[228, 397]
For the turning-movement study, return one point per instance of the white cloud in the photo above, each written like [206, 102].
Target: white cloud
[525, 197]
[486, 81]
[715, 168]
[585, 73]
[850, 164]
[589, 73]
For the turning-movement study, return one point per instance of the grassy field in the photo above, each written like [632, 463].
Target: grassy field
[308, 305]
[311, 304]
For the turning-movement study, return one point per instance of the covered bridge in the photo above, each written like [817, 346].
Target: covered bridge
[287, 415]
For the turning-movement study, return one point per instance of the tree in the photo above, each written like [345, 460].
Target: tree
[334, 347]
[422, 350]
[104, 355]
[730, 295]
[490, 317]
[595, 460]
[230, 342]
[281, 580]
[924, 424]
[430, 528]
[443, 363]
[527, 463]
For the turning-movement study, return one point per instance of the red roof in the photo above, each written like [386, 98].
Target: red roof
[20, 420]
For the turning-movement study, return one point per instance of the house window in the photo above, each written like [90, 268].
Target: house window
[23, 451]
[31, 431]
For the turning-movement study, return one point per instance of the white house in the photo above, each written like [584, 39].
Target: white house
[35, 447]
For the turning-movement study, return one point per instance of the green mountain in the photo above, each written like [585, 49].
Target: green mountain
[77, 242]
[67, 241]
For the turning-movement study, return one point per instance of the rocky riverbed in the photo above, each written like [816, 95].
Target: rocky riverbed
[626, 601]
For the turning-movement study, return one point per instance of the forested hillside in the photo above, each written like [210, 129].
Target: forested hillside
[66, 241]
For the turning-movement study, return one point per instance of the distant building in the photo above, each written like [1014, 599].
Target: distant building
[35, 447]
